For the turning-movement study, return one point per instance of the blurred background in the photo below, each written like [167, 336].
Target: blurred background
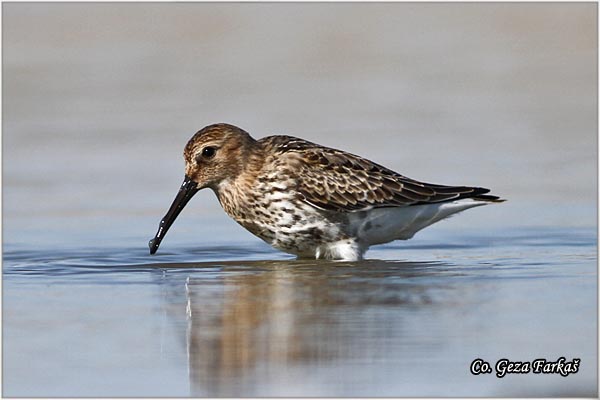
[100, 98]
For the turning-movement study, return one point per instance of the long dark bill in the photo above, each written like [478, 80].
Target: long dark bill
[186, 192]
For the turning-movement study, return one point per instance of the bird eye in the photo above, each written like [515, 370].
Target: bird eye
[208, 152]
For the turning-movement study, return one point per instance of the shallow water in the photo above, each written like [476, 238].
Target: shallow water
[165, 326]
[99, 100]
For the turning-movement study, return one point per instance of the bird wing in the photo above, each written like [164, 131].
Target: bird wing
[334, 180]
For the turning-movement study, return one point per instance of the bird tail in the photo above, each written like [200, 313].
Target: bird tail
[467, 192]
[489, 198]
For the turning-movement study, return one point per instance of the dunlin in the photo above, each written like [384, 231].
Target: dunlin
[310, 200]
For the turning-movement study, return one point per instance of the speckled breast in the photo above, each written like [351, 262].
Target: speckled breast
[275, 212]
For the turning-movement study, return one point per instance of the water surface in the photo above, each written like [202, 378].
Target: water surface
[165, 326]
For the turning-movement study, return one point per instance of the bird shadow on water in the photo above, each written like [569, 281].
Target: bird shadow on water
[266, 321]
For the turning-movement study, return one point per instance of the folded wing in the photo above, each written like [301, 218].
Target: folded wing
[334, 180]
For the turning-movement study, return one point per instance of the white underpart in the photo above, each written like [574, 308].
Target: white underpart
[382, 225]
[343, 250]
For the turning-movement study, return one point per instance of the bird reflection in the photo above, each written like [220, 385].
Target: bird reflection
[265, 321]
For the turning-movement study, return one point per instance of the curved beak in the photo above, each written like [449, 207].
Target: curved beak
[187, 190]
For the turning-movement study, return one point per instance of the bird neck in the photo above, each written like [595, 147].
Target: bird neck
[233, 192]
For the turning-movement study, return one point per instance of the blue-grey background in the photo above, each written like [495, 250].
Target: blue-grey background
[99, 100]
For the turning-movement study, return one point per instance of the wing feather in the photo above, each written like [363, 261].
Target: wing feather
[338, 181]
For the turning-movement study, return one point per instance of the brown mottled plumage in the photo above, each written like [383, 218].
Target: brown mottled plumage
[311, 200]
